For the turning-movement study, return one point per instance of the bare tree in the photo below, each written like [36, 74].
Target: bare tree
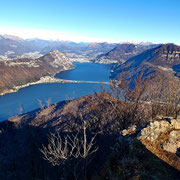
[41, 104]
[73, 152]
[118, 107]
[48, 102]
[164, 95]
[21, 109]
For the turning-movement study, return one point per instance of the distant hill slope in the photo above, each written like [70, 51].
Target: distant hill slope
[121, 53]
[12, 46]
[164, 59]
[20, 72]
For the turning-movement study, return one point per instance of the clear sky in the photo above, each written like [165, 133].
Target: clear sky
[92, 20]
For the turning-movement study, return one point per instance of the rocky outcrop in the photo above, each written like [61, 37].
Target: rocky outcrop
[175, 123]
[152, 131]
[129, 131]
[172, 128]
[156, 128]
[161, 137]
[173, 143]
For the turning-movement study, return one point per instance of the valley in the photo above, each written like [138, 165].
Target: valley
[90, 90]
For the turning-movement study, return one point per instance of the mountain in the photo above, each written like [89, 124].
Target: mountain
[70, 47]
[49, 45]
[145, 43]
[23, 71]
[121, 53]
[12, 46]
[164, 59]
[79, 51]
[75, 51]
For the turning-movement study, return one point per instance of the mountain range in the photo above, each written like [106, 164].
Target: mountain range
[12, 46]
[164, 59]
[122, 52]
[76, 51]
[128, 58]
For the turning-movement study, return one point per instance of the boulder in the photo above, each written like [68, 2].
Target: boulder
[131, 130]
[175, 123]
[173, 143]
[152, 131]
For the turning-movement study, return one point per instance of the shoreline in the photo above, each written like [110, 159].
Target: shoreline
[17, 88]
[48, 79]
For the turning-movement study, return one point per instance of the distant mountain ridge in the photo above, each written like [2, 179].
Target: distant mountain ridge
[162, 59]
[12, 46]
[122, 52]
[75, 50]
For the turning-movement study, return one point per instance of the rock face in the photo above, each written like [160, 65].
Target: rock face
[129, 131]
[172, 129]
[161, 137]
[173, 144]
[175, 123]
[121, 53]
[153, 131]
[20, 72]
[162, 59]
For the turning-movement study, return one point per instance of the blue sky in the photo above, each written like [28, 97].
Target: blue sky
[93, 20]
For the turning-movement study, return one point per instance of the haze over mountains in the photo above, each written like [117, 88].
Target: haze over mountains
[12, 46]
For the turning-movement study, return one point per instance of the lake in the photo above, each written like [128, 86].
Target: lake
[28, 97]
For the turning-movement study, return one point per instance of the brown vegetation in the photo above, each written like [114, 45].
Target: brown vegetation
[105, 114]
[72, 154]
[23, 71]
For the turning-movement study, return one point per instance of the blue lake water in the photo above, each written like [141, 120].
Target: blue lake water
[28, 97]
